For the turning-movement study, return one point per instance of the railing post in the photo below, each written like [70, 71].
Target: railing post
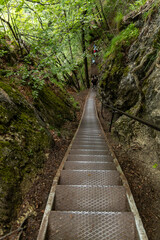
[102, 106]
[110, 127]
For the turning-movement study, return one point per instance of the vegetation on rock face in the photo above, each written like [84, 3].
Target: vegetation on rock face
[115, 59]
[117, 66]
[25, 138]
[130, 70]
[122, 41]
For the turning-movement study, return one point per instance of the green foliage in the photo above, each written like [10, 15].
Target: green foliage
[137, 4]
[48, 33]
[118, 19]
[33, 78]
[2, 53]
[115, 9]
[74, 103]
[155, 165]
[124, 39]
[23, 73]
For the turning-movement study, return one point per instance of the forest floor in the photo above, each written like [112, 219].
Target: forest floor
[34, 202]
[143, 182]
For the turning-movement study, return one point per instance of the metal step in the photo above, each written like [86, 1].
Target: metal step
[88, 135]
[90, 141]
[90, 177]
[98, 136]
[90, 132]
[85, 136]
[90, 146]
[82, 165]
[92, 158]
[91, 198]
[91, 226]
[89, 151]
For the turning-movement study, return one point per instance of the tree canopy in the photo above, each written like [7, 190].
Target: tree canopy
[54, 36]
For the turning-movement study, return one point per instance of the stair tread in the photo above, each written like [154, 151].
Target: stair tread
[90, 146]
[91, 198]
[82, 165]
[93, 158]
[89, 151]
[90, 177]
[90, 225]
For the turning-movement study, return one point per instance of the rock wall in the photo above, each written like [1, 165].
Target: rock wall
[130, 81]
[25, 139]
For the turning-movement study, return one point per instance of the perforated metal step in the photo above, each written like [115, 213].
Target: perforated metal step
[98, 136]
[90, 177]
[91, 226]
[90, 132]
[89, 151]
[90, 141]
[91, 198]
[75, 165]
[90, 136]
[90, 146]
[92, 158]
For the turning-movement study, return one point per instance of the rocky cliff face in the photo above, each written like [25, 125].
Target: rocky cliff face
[131, 80]
[25, 139]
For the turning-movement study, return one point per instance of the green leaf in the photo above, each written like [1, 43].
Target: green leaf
[155, 165]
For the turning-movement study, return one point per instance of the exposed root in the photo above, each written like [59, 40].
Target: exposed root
[143, 61]
[137, 81]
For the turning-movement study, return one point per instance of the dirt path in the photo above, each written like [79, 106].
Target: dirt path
[35, 200]
[144, 181]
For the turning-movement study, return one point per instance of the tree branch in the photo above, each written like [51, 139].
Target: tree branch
[43, 4]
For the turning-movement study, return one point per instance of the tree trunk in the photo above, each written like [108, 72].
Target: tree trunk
[105, 19]
[84, 53]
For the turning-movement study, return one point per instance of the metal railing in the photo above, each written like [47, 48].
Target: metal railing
[115, 110]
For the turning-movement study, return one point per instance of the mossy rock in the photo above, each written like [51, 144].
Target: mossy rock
[23, 143]
[55, 107]
[25, 138]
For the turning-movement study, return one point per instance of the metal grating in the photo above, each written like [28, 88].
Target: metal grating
[88, 177]
[90, 140]
[86, 137]
[91, 226]
[91, 198]
[73, 165]
[90, 146]
[89, 151]
[92, 158]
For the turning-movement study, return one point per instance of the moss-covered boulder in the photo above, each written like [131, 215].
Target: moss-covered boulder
[54, 107]
[24, 139]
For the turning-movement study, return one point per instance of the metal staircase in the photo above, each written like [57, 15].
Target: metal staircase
[91, 200]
